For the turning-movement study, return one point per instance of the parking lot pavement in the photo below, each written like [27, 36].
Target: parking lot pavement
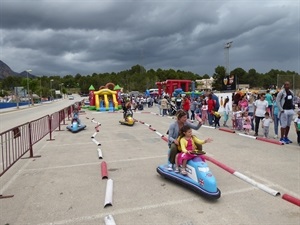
[64, 186]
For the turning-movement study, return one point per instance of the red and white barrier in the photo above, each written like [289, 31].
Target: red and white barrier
[256, 184]
[151, 128]
[291, 199]
[210, 127]
[243, 177]
[246, 135]
[99, 153]
[96, 142]
[219, 164]
[164, 138]
[148, 125]
[159, 134]
[108, 193]
[104, 173]
[269, 140]
[94, 135]
[226, 130]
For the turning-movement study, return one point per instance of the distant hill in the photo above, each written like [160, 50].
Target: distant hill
[6, 71]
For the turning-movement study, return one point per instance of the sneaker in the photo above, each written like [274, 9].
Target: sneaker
[282, 140]
[183, 172]
[176, 170]
[170, 167]
[288, 140]
[276, 136]
[256, 134]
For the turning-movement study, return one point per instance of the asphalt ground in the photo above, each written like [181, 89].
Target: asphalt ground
[64, 185]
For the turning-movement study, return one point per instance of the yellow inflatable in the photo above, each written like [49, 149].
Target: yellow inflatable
[105, 93]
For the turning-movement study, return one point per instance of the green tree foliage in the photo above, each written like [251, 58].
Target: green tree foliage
[137, 78]
[218, 76]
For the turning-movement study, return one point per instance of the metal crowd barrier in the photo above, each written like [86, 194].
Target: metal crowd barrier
[16, 142]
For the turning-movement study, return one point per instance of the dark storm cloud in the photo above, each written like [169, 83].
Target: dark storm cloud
[69, 37]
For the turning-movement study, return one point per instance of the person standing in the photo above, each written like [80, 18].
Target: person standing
[159, 106]
[269, 99]
[260, 108]
[217, 102]
[266, 124]
[226, 111]
[186, 105]
[193, 108]
[211, 103]
[164, 105]
[243, 103]
[297, 126]
[178, 101]
[251, 110]
[285, 103]
[275, 116]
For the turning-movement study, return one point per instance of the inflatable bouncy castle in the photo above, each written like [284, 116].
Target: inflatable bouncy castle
[106, 98]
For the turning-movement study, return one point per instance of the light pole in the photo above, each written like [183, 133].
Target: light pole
[51, 89]
[226, 48]
[227, 70]
[28, 87]
[61, 89]
[41, 90]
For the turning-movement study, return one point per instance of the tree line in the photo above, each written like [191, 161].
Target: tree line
[137, 78]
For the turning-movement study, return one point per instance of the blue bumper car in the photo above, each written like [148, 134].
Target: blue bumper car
[199, 178]
[75, 127]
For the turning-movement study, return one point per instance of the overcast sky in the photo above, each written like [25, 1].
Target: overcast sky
[85, 36]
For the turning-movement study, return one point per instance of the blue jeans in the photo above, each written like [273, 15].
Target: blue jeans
[276, 122]
[159, 109]
[251, 115]
[210, 118]
[164, 112]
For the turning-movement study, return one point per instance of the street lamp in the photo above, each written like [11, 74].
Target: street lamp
[61, 89]
[28, 87]
[227, 70]
[226, 48]
[51, 89]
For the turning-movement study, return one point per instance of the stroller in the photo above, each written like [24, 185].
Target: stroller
[172, 109]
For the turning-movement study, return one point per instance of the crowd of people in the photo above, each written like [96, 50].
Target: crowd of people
[245, 112]
[248, 111]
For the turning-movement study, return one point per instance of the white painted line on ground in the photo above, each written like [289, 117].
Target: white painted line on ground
[15, 176]
[96, 163]
[256, 184]
[84, 219]
[53, 146]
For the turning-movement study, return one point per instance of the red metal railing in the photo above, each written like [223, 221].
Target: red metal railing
[16, 142]
[39, 129]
